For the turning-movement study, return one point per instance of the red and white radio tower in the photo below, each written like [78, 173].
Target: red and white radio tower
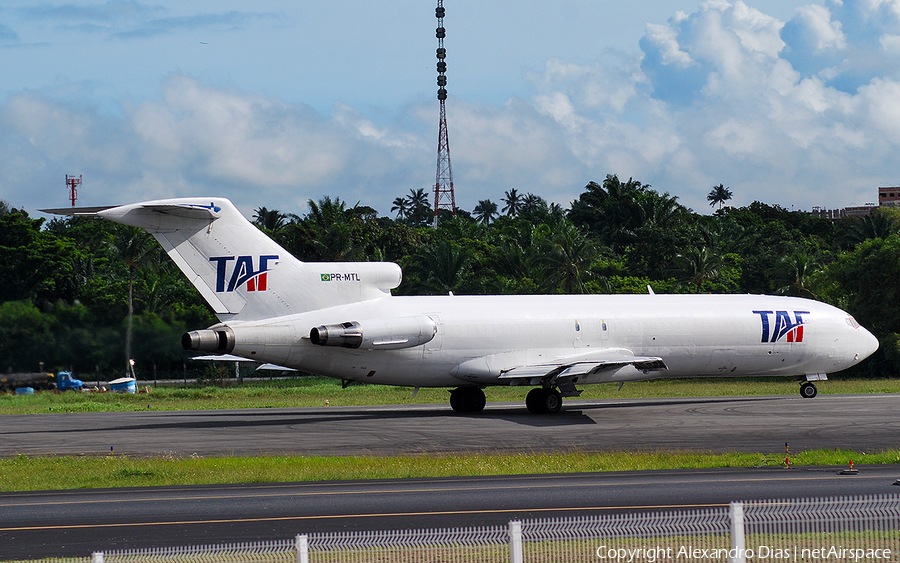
[443, 182]
[73, 184]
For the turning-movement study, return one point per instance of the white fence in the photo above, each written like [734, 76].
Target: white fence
[836, 529]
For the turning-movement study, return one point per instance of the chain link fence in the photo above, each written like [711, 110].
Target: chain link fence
[853, 529]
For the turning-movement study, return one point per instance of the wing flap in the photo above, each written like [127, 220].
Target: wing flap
[571, 368]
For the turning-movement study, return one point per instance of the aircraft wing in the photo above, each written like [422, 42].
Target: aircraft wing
[582, 365]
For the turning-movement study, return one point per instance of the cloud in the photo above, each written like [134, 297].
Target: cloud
[8, 37]
[726, 94]
[123, 19]
[108, 12]
[729, 94]
[848, 44]
[196, 139]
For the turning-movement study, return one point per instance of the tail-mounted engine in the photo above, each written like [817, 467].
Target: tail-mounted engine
[211, 340]
[376, 334]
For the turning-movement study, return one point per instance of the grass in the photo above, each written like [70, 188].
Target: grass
[24, 473]
[315, 391]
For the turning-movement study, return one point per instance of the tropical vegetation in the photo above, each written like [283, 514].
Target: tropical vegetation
[89, 294]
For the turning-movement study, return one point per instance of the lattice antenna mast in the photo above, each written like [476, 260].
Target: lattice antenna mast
[73, 182]
[444, 197]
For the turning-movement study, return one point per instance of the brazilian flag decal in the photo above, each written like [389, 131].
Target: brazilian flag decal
[326, 277]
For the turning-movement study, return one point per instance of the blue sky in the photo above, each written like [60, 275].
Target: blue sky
[274, 102]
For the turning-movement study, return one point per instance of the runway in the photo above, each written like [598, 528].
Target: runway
[719, 424]
[75, 523]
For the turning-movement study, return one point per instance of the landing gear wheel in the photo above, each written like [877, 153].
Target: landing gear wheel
[533, 400]
[552, 402]
[467, 399]
[808, 390]
[543, 401]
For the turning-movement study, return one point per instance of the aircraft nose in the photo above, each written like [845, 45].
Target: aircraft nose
[868, 343]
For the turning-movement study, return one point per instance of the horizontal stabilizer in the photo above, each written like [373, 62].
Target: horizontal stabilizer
[233, 358]
[77, 211]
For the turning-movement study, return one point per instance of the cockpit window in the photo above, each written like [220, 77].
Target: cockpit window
[852, 322]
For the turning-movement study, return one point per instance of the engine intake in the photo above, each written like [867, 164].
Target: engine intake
[376, 334]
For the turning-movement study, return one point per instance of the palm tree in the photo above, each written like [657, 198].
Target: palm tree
[419, 208]
[440, 268]
[718, 196]
[270, 220]
[877, 225]
[799, 267]
[484, 212]
[699, 265]
[132, 245]
[568, 257]
[331, 232]
[513, 203]
[401, 206]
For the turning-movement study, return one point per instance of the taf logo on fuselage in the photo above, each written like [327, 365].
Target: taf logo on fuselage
[782, 325]
[243, 272]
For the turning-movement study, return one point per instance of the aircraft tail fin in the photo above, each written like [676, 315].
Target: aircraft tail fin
[239, 271]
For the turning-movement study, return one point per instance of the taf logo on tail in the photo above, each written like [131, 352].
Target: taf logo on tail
[782, 326]
[242, 272]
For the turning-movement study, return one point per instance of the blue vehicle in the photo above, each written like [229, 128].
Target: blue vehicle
[65, 381]
[40, 380]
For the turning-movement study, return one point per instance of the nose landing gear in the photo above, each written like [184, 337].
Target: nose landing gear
[808, 390]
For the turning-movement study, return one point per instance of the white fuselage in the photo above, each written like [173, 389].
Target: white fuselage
[478, 338]
[340, 320]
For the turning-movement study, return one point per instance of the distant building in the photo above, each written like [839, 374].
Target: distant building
[887, 197]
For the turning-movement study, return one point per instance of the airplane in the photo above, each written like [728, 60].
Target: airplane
[340, 320]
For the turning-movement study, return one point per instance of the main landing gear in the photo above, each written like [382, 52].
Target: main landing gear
[467, 399]
[543, 401]
[808, 390]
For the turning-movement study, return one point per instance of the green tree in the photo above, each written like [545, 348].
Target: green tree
[798, 268]
[513, 203]
[864, 283]
[401, 206]
[485, 211]
[615, 211]
[718, 196]
[37, 264]
[26, 336]
[132, 246]
[270, 220]
[568, 257]
[698, 265]
[330, 230]
[441, 268]
[420, 212]
[880, 224]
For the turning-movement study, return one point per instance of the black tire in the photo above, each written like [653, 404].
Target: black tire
[808, 390]
[467, 399]
[457, 400]
[475, 400]
[552, 401]
[533, 401]
[543, 401]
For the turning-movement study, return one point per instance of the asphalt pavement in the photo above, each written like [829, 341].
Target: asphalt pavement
[76, 523]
